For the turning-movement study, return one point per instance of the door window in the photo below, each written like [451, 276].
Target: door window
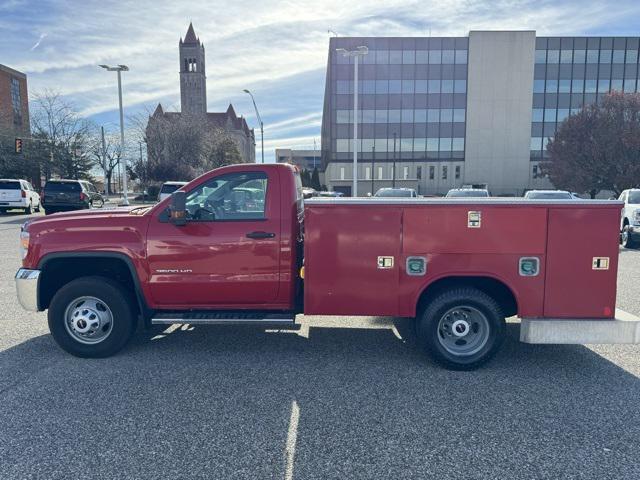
[235, 196]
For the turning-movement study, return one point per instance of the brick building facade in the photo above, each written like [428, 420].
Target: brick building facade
[14, 101]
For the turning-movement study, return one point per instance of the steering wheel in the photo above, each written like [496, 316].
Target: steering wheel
[215, 208]
[202, 214]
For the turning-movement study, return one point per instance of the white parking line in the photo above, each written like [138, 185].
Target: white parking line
[292, 437]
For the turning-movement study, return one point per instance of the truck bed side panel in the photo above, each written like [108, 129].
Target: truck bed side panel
[528, 291]
[502, 229]
[442, 234]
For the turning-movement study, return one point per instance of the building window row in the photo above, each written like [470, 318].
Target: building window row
[405, 172]
[409, 57]
[581, 85]
[587, 56]
[420, 115]
[384, 87]
[552, 114]
[417, 145]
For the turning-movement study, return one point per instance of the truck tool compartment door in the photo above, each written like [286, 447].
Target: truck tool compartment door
[352, 255]
[581, 272]
[228, 252]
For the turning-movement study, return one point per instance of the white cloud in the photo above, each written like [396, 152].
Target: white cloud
[37, 44]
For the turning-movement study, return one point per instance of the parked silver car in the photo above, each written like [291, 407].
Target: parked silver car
[549, 195]
[396, 193]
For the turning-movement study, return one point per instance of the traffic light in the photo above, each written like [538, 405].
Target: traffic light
[18, 145]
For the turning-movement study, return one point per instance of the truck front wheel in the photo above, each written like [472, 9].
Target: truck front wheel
[461, 328]
[91, 317]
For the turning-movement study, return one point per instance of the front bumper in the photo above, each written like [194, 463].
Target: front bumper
[27, 288]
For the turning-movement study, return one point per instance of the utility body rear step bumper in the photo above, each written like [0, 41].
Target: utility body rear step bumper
[624, 328]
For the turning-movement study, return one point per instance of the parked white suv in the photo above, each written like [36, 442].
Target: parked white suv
[18, 194]
[630, 220]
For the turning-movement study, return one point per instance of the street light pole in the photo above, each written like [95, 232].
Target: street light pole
[259, 120]
[393, 178]
[119, 69]
[373, 169]
[104, 162]
[358, 52]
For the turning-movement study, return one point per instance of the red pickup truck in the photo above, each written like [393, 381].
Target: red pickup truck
[238, 246]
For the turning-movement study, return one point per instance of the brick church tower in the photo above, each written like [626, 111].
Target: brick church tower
[193, 81]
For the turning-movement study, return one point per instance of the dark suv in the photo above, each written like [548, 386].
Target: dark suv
[66, 195]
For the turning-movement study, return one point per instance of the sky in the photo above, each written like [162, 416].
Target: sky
[276, 49]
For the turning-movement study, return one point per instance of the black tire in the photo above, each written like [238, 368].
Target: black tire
[432, 335]
[109, 292]
[29, 209]
[626, 239]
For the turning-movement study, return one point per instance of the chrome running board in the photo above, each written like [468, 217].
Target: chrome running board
[262, 319]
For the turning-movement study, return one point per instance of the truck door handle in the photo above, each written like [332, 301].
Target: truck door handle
[259, 235]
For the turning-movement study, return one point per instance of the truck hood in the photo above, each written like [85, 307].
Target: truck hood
[89, 216]
[85, 217]
[120, 230]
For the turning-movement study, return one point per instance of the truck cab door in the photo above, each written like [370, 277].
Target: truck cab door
[227, 255]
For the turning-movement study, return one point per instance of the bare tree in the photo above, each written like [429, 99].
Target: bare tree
[181, 147]
[108, 158]
[66, 134]
[18, 165]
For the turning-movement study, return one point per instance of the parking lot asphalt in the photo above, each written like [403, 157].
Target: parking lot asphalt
[344, 398]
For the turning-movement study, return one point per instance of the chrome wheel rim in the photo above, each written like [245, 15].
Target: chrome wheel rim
[625, 236]
[463, 331]
[88, 320]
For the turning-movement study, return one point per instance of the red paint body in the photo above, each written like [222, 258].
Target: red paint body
[213, 265]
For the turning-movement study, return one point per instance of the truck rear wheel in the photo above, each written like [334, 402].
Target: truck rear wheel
[461, 328]
[91, 317]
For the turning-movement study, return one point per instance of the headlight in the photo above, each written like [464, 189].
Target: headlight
[636, 216]
[24, 242]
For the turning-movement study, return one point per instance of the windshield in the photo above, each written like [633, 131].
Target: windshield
[549, 196]
[62, 187]
[634, 197]
[4, 185]
[468, 193]
[394, 193]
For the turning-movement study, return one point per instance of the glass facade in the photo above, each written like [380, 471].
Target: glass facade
[412, 100]
[571, 72]
[412, 106]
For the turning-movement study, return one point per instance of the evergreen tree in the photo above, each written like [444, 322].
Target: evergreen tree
[315, 179]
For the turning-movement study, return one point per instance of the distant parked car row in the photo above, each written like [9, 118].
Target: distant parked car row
[57, 196]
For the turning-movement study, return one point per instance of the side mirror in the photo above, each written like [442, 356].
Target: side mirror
[178, 209]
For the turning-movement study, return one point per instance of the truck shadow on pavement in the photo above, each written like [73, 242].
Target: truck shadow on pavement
[330, 402]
